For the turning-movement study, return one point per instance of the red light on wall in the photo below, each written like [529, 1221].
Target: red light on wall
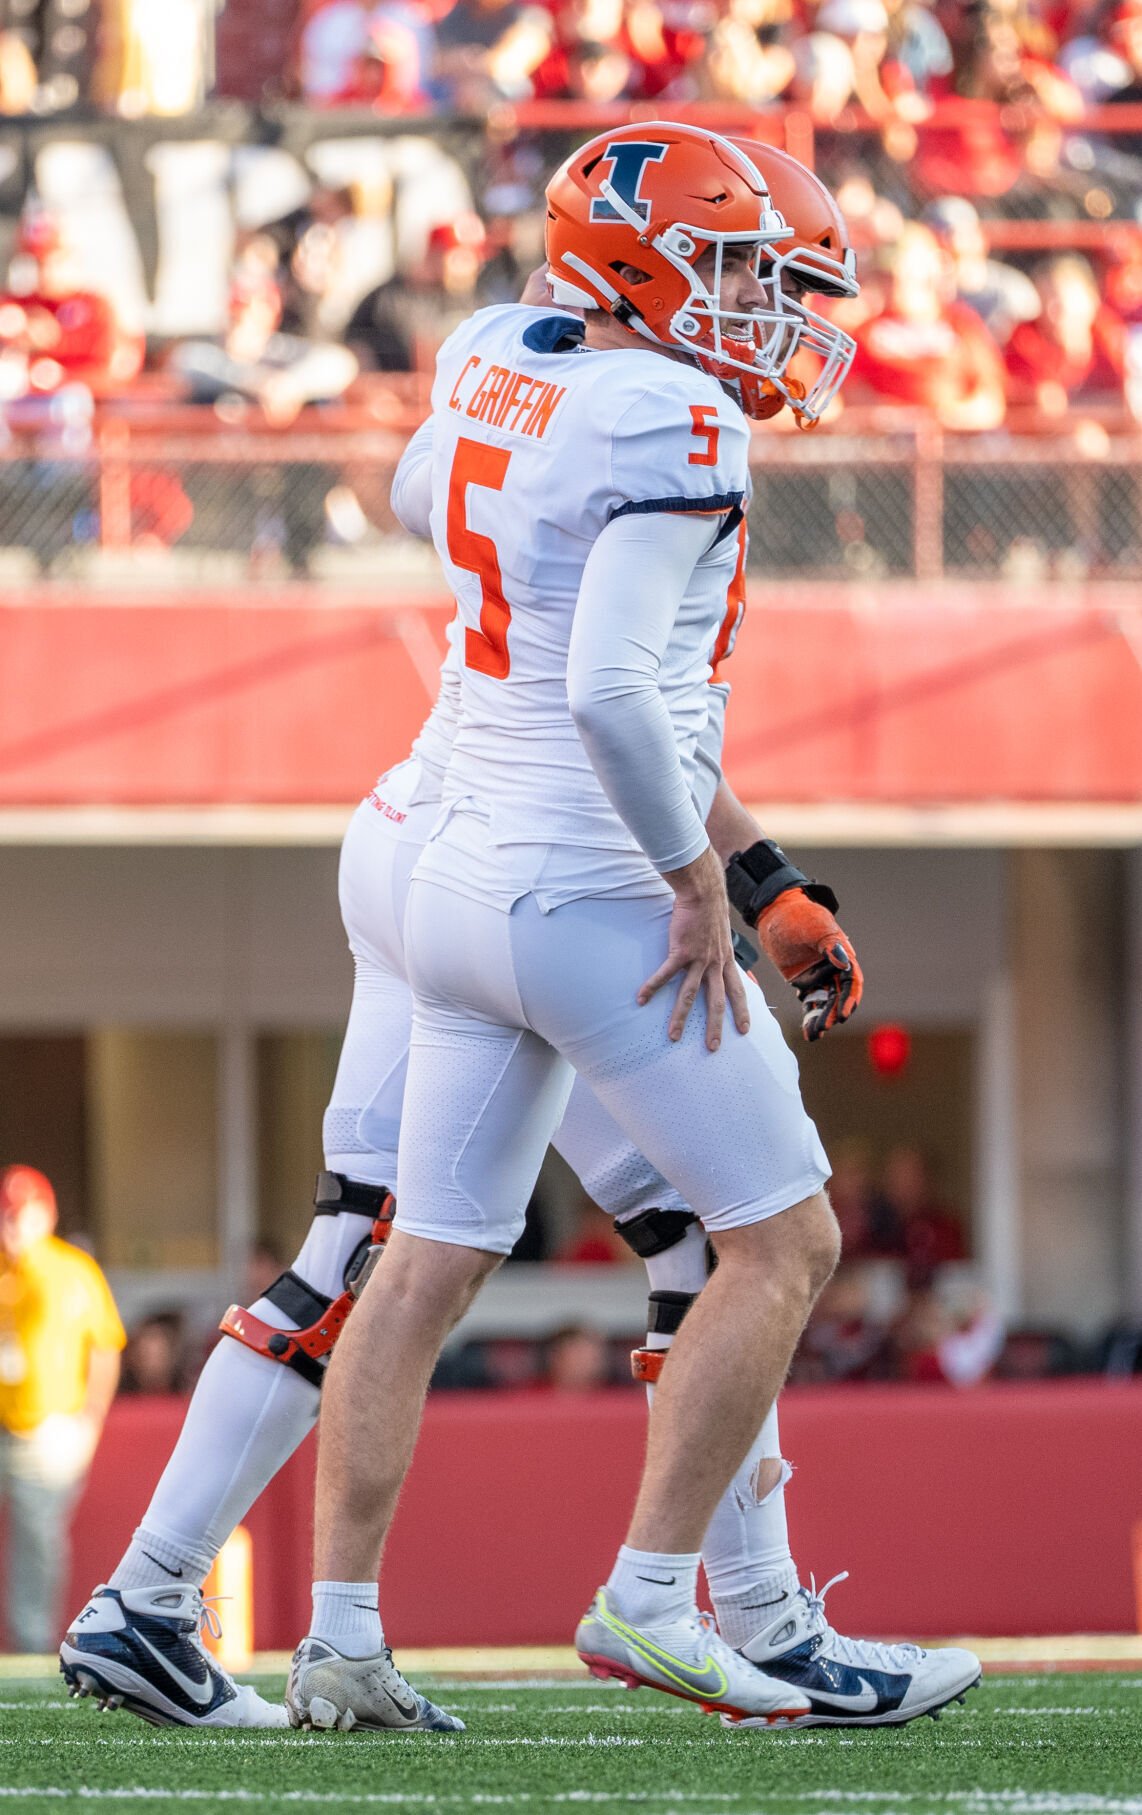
[889, 1049]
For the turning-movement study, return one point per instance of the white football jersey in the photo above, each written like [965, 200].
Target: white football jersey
[538, 444]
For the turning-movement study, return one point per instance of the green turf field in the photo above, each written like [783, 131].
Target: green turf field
[1064, 1744]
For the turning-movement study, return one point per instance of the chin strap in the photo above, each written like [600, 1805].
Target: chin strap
[320, 1319]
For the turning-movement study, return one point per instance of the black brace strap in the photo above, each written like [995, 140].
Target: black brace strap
[296, 1300]
[755, 878]
[666, 1310]
[336, 1193]
[655, 1231]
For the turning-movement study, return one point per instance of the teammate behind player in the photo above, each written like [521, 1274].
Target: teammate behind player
[571, 879]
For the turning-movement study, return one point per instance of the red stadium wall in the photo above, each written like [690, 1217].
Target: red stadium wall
[840, 694]
[1004, 1510]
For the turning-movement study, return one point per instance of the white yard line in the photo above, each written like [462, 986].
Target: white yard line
[962, 1802]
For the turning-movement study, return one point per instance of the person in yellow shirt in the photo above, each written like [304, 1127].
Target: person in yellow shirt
[60, 1344]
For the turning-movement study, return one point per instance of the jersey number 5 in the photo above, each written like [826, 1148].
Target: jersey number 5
[475, 463]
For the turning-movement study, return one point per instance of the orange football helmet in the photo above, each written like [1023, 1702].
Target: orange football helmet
[818, 260]
[656, 197]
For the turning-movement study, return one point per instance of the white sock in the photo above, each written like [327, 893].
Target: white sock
[247, 1417]
[347, 1616]
[151, 1558]
[654, 1587]
[746, 1555]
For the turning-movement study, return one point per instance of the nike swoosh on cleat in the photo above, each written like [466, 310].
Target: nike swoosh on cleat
[201, 1694]
[176, 1573]
[867, 1702]
[707, 1680]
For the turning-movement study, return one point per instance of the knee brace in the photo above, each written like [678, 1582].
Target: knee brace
[654, 1232]
[319, 1319]
[665, 1312]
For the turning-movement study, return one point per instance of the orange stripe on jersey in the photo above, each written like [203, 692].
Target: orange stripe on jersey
[735, 607]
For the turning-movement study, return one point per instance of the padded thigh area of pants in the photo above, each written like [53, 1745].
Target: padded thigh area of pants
[727, 1129]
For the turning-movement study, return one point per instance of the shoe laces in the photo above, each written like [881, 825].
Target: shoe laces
[208, 1618]
[850, 1651]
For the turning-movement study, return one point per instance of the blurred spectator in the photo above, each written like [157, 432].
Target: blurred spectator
[1000, 295]
[939, 1343]
[843, 1339]
[381, 56]
[281, 372]
[909, 1220]
[851, 1193]
[490, 49]
[1075, 348]
[1036, 1354]
[54, 333]
[925, 348]
[155, 1357]
[576, 1360]
[1125, 34]
[824, 76]
[60, 1340]
[399, 325]
[750, 55]
[919, 54]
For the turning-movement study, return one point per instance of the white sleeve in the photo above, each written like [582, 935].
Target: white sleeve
[708, 753]
[411, 495]
[633, 584]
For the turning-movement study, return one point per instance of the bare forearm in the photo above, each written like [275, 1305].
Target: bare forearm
[730, 827]
[102, 1383]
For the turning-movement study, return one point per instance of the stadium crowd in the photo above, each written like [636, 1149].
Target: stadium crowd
[892, 59]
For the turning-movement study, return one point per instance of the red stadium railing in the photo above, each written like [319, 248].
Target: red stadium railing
[883, 494]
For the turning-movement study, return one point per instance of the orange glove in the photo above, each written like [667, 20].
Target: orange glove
[795, 921]
[804, 941]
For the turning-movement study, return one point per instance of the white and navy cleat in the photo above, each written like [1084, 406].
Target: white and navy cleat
[853, 1682]
[689, 1659]
[332, 1692]
[141, 1649]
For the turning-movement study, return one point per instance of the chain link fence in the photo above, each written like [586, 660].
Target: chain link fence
[203, 509]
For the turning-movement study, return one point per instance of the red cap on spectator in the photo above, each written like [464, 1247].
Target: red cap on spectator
[22, 1185]
[466, 230]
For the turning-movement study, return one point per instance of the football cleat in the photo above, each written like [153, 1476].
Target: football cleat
[688, 1658]
[141, 1649]
[327, 1690]
[853, 1682]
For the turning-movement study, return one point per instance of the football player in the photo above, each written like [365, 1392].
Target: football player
[245, 1409]
[591, 563]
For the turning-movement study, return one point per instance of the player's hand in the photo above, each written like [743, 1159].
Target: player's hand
[804, 941]
[536, 294]
[701, 951]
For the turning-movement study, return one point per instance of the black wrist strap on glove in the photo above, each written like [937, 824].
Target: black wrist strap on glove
[755, 878]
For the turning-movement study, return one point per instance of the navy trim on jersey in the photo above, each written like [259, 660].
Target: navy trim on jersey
[733, 518]
[703, 507]
[554, 334]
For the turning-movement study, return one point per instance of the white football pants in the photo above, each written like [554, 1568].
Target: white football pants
[509, 1005]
